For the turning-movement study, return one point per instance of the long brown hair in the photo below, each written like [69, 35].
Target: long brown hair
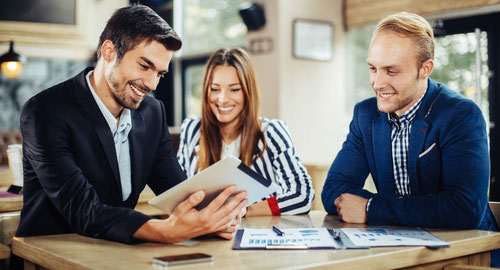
[248, 120]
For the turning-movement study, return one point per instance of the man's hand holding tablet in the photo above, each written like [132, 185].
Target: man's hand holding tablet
[186, 222]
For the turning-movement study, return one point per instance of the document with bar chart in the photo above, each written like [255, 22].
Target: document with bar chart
[384, 237]
[296, 237]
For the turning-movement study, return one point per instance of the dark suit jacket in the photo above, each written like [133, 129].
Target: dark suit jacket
[71, 176]
[448, 183]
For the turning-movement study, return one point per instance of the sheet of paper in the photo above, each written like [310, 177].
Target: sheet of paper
[310, 237]
[378, 237]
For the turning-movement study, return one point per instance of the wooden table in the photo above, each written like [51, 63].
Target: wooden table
[9, 204]
[71, 251]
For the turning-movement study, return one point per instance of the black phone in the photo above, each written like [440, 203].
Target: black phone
[182, 259]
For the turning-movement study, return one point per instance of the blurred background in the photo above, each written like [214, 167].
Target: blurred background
[310, 58]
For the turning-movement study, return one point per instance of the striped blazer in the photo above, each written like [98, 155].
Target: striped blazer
[280, 163]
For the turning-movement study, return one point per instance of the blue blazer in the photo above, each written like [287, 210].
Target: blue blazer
[448, 165]
[71, 176]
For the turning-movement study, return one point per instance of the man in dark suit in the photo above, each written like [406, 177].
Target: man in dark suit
[93, 142]
[424, 145]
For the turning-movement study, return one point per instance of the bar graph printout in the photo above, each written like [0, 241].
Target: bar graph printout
[383, 237]
[310, 237]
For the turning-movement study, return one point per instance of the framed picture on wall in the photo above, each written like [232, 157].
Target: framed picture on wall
[312, 40]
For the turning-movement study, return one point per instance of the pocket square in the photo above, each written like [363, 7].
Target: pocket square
[427, 150]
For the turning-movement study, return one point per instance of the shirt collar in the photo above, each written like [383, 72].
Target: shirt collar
[406, 117]
[125, 117]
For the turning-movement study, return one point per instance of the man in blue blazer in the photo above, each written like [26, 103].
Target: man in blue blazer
[424, 145]
[93, 142]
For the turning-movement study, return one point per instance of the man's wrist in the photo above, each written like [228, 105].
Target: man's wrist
[154, 230]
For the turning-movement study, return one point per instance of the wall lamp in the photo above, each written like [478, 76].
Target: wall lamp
[12, 62]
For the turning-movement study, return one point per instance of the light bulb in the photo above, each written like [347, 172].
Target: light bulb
[12, 69]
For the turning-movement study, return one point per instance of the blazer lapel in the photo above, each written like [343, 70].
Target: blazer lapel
[84, 97]
[136, 137]
[382, 154]
[418, 135]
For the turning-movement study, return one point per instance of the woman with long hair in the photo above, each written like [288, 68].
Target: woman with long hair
[230, 126]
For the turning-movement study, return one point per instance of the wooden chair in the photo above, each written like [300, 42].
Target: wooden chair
[4, 252]
[467, 267]
[495, 208]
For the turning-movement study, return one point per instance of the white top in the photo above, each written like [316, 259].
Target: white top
[232, 149]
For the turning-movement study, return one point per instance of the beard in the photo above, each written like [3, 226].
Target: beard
[119, 92]
[411, 96]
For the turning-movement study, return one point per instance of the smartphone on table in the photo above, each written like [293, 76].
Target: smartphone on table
[182, 259]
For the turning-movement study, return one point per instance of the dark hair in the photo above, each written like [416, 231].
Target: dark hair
[134, 24]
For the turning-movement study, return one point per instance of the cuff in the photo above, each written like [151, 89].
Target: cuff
[273, 205]
[368, 205]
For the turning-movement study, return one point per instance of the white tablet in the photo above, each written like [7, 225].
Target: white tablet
[214, 179]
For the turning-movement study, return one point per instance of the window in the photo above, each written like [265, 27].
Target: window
[358, 78]
[211, 24]
[207, 26]
[192, 84]
[455, 65]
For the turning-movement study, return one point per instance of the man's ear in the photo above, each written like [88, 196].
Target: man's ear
[108, 51]
[426, 69]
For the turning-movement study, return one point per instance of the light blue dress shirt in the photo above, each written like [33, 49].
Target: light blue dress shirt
[120, 136]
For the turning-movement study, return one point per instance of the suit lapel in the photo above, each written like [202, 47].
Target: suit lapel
[381, 136]
[418, 135]
[84, 97]
[136, 136]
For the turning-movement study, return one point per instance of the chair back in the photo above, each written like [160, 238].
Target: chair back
[495, 208]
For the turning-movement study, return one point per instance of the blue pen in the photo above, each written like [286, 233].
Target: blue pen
[278, 231]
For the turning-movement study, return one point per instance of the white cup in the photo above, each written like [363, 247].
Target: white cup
[15, 156]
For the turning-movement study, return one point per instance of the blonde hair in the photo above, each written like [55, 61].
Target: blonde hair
[248, 122]
[413, 26]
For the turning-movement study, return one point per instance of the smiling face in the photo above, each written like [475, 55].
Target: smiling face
[225, 96]
[137, 73]
[394, 76]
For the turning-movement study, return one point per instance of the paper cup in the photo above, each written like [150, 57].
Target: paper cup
[15, 156]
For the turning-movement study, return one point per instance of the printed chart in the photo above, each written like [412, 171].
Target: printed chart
[309, 237]
[374, 237]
